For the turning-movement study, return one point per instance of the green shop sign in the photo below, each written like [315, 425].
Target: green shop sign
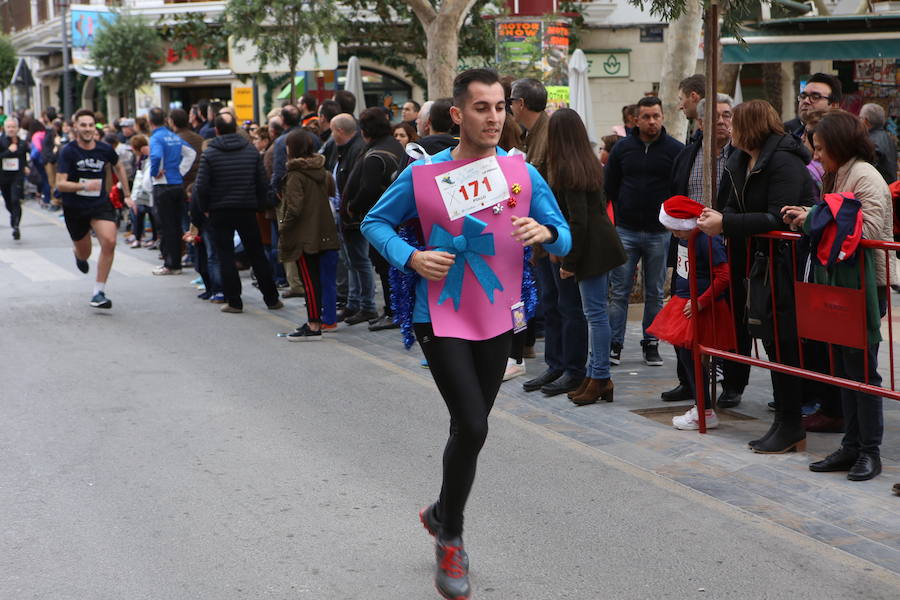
[609, 64]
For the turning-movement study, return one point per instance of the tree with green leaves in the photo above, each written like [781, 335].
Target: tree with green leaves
[126, 50]
[7, 60]
[281, 31]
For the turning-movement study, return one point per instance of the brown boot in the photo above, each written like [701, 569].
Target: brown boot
[596, 389]
[580, 389]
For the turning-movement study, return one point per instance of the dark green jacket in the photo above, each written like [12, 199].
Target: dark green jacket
[846, 275]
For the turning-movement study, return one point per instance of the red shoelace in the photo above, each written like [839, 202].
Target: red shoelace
[452, 562]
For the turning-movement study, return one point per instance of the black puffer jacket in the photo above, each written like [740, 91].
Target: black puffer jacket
[231, 176]
[372, 174]
[779, 178]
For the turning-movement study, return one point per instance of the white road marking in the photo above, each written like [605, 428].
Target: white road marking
[34, 266]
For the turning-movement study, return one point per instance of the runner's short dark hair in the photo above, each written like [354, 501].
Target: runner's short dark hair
[464, 79]
[309, 101]
[84, 112]
[179, 118]
[157, 116]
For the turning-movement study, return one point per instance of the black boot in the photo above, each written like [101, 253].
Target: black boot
[775, 424]
[788, 436]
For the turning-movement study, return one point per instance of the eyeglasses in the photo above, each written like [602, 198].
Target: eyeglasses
[813, 97]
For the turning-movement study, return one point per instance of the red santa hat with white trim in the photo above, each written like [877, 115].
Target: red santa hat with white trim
[680, 213]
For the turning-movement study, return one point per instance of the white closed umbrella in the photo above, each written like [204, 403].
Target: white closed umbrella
[354, 84]
[580, 92]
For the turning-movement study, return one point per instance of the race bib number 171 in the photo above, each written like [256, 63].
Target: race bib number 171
[472, 187]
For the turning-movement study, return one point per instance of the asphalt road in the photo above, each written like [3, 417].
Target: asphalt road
[163, 450]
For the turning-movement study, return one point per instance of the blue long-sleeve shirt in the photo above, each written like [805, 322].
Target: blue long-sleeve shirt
[165, 152]
[398, 205]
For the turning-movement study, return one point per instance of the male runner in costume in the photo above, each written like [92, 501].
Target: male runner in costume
[469, 291]
[81, 179]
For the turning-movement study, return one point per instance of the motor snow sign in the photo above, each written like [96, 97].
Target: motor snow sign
[609, 64]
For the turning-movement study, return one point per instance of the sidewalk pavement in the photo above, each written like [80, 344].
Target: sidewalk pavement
[861, 518]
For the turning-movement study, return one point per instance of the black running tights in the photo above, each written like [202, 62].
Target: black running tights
[468, 375]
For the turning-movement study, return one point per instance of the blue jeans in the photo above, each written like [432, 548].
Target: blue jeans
[594, 292]
[212, 261]
[651, 249]
[360, 274]
[565, 330]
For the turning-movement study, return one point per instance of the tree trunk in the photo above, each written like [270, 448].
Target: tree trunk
[442, 30]
[680, 61]
[293, 79]
[772, 84]
[442, 56]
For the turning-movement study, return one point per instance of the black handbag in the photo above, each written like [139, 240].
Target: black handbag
[761, 314]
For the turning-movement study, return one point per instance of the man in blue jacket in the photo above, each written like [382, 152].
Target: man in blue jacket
[637, 180]
[169, 155]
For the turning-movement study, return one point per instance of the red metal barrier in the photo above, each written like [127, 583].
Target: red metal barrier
[829, 314]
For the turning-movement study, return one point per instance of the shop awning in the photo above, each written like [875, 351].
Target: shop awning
[789, 48]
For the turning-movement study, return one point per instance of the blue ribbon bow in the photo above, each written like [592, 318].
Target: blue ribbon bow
[468, 248]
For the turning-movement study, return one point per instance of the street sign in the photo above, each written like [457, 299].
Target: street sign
[243, 103]
[609, 64]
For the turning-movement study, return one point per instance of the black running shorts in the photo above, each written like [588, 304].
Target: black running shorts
[78, 218]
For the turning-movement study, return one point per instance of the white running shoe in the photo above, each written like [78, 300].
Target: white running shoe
[690, 420]
[513, 369]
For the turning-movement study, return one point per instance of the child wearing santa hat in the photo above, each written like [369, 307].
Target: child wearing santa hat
[674, 322]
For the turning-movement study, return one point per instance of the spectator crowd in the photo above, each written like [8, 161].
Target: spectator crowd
[285, 199]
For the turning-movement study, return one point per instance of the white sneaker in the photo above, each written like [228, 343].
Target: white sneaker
[513, 369]
[690, 420]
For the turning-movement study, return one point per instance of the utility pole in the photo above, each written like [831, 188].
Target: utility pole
[67, 81]
[710, 116]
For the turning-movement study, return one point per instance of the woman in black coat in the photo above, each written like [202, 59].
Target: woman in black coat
[575, 174]
[767, 173]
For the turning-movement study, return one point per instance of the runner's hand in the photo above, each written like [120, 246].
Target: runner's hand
[433, 265]
[529, 232]
[129, 202]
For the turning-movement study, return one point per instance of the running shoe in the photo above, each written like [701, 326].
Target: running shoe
[690, 420]
[101, 301]
[15, 233]
[429, 520]
[204, 295]
[217, 298]
[197, 281]
[451, 576]
[163, 270]
[304, 334]
[329, 326]
[82, 265]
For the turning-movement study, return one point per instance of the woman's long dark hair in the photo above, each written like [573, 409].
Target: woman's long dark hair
[571, 162]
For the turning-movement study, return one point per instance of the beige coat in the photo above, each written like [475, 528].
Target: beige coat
[867, 185]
